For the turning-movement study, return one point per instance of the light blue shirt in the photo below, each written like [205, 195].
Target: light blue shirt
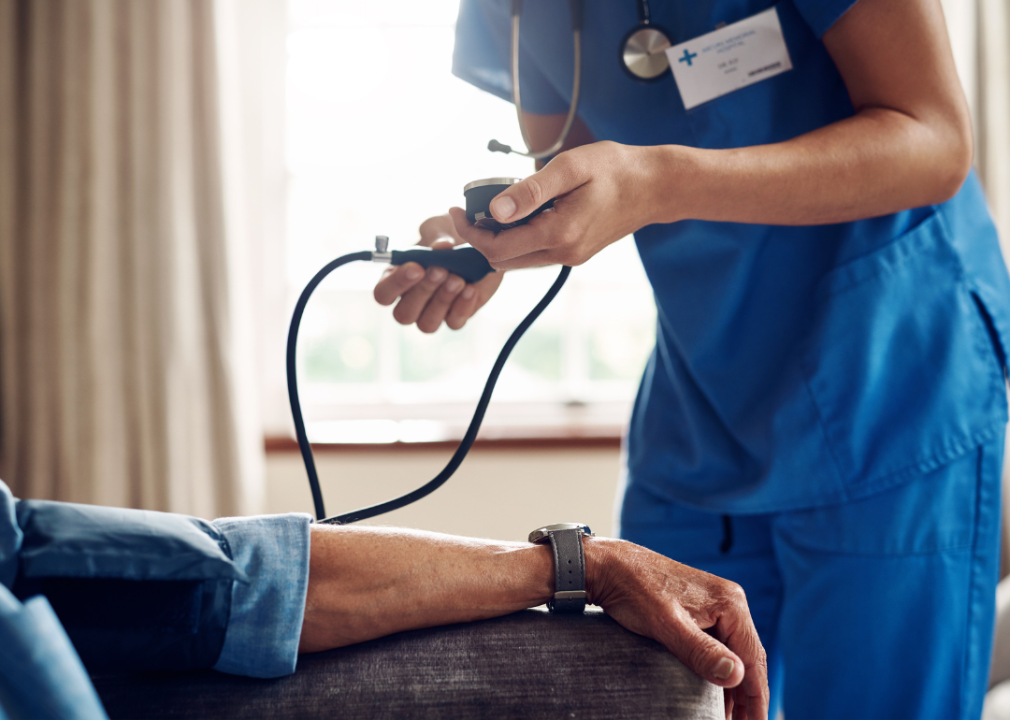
[41, 674]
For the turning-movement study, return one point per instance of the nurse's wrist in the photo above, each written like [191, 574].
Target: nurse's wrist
[671, 176]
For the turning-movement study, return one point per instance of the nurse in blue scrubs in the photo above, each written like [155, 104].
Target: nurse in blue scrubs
[822, 419]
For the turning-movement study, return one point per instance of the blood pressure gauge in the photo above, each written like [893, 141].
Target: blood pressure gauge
[479, 195]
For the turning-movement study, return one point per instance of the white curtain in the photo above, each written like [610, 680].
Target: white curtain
[127, 336]
[980, 36]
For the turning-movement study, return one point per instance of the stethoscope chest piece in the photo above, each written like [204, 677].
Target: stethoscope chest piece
[643, 52]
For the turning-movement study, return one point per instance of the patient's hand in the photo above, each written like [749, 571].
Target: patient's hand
[700, 618]
[429, 298]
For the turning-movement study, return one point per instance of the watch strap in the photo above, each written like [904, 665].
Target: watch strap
[569, 572]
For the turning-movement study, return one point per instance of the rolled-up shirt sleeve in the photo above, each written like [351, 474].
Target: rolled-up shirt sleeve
[265, 623]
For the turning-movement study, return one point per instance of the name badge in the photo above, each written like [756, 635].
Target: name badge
[730, 58]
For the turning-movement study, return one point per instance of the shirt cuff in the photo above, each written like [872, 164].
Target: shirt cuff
[266, 614]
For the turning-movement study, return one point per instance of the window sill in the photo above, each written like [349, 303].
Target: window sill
[601, 438]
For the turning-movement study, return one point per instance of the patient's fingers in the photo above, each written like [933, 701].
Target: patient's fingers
[703, 653]
[736, 629]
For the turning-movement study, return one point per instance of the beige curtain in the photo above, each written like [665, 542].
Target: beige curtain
[127, 371]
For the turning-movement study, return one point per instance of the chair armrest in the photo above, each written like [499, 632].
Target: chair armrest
[527, 665]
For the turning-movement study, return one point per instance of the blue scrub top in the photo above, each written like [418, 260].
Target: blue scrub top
[794, 366]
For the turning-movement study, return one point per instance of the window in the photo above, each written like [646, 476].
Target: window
[381, 136]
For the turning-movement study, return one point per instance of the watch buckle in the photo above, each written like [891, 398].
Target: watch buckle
[570, 595]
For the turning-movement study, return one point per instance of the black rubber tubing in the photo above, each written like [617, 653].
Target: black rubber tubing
[464, 446]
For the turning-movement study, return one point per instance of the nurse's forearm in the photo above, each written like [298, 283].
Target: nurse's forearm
[875, 163]
[909, 144]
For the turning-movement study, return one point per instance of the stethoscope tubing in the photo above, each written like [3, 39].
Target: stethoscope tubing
[654, 37]
[517, 98]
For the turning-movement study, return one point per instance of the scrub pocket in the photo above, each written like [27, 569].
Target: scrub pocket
[900, 364]
[889, 600]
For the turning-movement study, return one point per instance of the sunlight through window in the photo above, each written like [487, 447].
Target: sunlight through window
[381, 136]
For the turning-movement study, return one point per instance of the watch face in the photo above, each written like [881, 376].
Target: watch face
[541, 534]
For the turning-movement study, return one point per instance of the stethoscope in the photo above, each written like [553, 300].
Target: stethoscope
[643, 57]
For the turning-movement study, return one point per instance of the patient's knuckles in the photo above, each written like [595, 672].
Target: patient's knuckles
[728, 599]
[734, 593]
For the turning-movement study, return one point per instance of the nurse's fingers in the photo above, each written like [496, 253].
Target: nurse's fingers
[560, 176]
[439, 230]
[467, 232]
[413, 302]
[396, 281]
[537, 258]
[521, 247]
[463, 308]
[438, 233]
[438, 306]
[548, 239]
[472, 299]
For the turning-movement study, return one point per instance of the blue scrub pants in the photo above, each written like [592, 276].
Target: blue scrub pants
[878, 608]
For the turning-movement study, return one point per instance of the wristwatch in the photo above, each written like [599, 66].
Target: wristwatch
[569, 564]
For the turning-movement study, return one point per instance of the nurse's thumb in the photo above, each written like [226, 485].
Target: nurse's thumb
[518, 201]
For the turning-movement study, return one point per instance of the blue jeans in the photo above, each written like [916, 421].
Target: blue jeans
[878, 608]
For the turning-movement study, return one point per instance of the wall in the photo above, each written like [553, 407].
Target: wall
[500, 494]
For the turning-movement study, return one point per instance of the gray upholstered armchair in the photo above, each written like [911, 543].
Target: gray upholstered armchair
[527, 665]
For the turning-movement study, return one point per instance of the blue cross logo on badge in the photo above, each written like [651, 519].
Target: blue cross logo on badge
[688, 57]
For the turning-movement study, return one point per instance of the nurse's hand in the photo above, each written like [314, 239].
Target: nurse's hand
[430, 297]
[600, 193]
[700, 618]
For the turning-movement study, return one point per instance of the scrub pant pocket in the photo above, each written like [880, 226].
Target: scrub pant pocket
[878, 608]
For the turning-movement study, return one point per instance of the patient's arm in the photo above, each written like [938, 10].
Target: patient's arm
[366, 582]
